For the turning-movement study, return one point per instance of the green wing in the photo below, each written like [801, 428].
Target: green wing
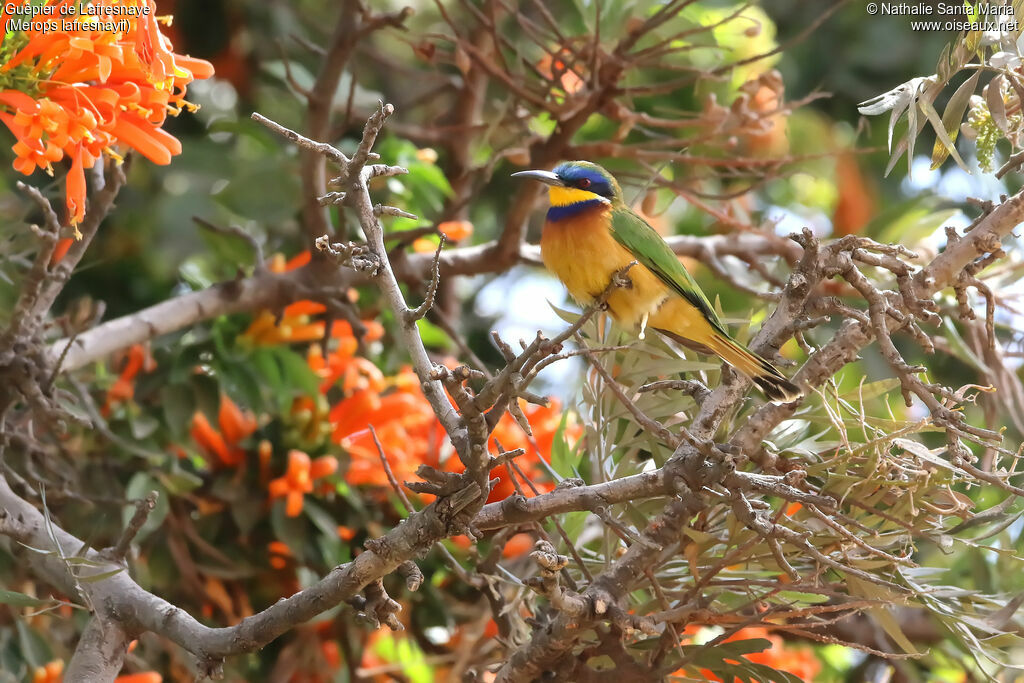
[650, 250]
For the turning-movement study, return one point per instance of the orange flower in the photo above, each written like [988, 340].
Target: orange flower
[331, 653]
[124, 388]
[799, 661]
[144, 677]
[424, 245]
[411, 435]
[295, 323]
[279, 554]
[235, 426]
[456, 230]
[79, 93]
[354, 372]
[856, 204]
[346, 533]
[297, 481]
[544, 422]
[520, 544]
[53, 672]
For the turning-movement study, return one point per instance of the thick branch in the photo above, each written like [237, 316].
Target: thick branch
[137, 610]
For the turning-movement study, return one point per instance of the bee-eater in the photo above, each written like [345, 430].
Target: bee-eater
[590, 234]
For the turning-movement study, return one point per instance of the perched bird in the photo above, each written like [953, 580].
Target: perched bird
[590, 234]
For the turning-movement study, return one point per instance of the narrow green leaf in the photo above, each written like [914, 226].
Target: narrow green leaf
[178, 405]
[952, 117]
[94, 578]
[15, 599]
[928, 110]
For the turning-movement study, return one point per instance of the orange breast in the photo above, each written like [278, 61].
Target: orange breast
[583, 254]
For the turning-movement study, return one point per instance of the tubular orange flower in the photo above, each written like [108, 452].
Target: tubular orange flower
[144, 677]
[456, 230]
[124, 388]
[209, 439]
[424, 245]
[223, 445]
[518, 545]
[279, 554]
[410, 435]
[331, 652]
[53, 672]
[295, 323]
[234, 424]
[297, 481]
[81, 91]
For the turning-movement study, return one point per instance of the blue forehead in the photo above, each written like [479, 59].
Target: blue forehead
[574, 172]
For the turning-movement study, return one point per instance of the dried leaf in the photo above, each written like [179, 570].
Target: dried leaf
[996, 104]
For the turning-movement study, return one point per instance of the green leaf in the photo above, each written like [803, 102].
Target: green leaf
[247, 513]
[563, 460]
[882, 615]
[321, 519]
[206, 391]
[963, 351]
[264, 362]
[803, 598]
[143, 426]
[940, 131]
[871, 389]
[178, 482]
[952, 117]
[15, 599]
[296, 373]
[94, 578]
[34, 648]
[178, 404]
[228, 248]
[432, 335]
[573, 523]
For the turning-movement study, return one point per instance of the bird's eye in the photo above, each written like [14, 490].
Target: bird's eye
[583, 183]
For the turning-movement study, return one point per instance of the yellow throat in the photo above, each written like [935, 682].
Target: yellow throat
[564, 196]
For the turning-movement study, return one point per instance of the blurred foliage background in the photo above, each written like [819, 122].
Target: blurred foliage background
[212, 416]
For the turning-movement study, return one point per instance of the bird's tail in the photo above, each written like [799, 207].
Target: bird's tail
[766, 376]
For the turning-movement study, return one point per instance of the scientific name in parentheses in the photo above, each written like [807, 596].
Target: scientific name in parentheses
[66, 25]
[941, 8]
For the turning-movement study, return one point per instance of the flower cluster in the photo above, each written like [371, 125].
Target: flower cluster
[798, 661]
[355, 395]
[295, 323]
[53, 672]
[411, 435]
[298, 480]
[75, 91]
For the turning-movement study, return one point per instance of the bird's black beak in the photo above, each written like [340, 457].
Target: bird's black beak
[546, 177]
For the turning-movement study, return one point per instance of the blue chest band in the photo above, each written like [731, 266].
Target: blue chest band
[560, 213]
